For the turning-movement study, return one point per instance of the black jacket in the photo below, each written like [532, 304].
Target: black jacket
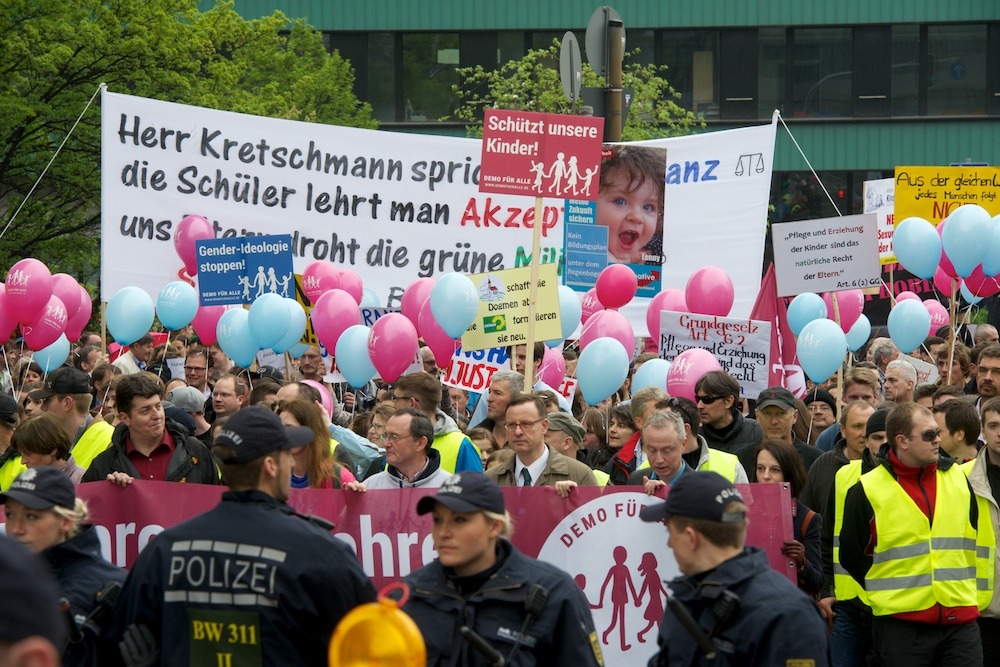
[191, 461]
[294, 582]
[774, 624]
[743, 431]
[81, 573]
[562, 635]
[807, 453]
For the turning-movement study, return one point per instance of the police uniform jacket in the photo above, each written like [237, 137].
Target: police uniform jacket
[775, 623]
[191, 461]
[81, 573]
[563, 634]
[247, 579]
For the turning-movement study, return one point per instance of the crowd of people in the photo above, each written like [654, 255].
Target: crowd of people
[895, 492]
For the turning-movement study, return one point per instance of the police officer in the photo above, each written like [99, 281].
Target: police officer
[247, 583]
[521, 610]
[729, 607]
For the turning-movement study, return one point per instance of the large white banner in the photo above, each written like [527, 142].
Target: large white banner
[392, 207]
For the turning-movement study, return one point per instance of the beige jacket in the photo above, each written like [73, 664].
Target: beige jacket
[558, 468]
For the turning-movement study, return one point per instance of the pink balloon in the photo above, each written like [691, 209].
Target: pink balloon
[8, 318]
[553, 367]
[441, 344]
[29, 286]
[608, 324]
[850, 304]
[205, 322]
[192, 228]
[78, 321]
[325, 399]
[980, 284]
[939, 315]
[318, 278]
[616, 286]
[48, 325]
[904, 296]
[709, 291]
[945, 282]
[687, 368]
[351, 283]
[392, 345]
[414, 298]
[669, 299]
[589, 304]
[67, 289]
[332, 314]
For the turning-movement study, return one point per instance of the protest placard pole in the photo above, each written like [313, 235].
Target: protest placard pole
[536, 248]
[953, 327]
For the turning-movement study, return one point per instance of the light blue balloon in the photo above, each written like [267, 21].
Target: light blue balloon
[297, 350]
[968, 295]
[268, 319]
[967, 237]
[352, 356]
[653, 373]
[805, 308]
[570, 313]
[909, 322]
[991, 263]
[601, 369]
[235, 337]
[821, 348]
[53, 356]
[177, 305]
[129, 315]
[859, 333]
[370, 299]
[454, 303]
[296, 326]
[917, 247]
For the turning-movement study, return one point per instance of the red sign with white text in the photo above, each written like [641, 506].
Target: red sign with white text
[541, 154]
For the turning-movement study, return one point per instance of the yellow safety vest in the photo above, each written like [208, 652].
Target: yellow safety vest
[917, 564]
[10, 471]
[602, 477]
[985, 546]
[844, 585]
[94, 440]
[722, 463]
[448, 445]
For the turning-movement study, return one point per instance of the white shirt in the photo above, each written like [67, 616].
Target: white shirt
[535, 469]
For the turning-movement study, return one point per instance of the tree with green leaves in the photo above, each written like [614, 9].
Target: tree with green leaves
[532, 84]
[53, 57]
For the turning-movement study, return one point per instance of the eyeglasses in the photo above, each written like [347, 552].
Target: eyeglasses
[928, 436]
[195, 369]
[393, 437]
[524, 426]
[708, 400]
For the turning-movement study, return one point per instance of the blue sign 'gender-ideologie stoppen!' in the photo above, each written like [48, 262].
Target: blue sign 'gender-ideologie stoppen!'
[240, 269]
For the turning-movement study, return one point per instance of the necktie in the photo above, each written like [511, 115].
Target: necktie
[526, 476]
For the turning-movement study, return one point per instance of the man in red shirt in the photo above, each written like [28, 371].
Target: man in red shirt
[146, 445]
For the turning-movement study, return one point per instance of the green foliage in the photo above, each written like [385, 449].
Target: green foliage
[53, 56]
[532, 84]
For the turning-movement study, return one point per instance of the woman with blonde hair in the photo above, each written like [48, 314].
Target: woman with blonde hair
[44, 514]
[313, 466]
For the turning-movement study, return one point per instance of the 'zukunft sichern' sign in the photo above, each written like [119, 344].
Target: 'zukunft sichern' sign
[541, 154]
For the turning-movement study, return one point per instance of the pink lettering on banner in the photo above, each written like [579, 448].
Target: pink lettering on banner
[597, 537]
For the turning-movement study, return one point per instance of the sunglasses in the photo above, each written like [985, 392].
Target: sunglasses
[708, 400]
[929, 436]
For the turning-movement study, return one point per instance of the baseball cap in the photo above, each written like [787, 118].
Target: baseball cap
[188, 399]
[876, 422]
[697, 495]
[466, 492]
[8, 409]
[41, 488]
[64, 380]
[562, 421]
[778, 396]
[821, 395]
[31, 600]
[256, 431]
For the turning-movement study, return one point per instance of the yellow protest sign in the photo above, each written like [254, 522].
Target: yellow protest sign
[309, 337]
[932, 193]
[503, 308]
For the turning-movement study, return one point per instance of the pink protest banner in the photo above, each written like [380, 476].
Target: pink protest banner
[586, 535]
[541, 154]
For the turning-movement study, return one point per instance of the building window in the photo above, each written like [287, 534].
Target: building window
[905, 70]
[821, 73]
[429, 64]
[771, 72]
[956, 70]
[382, 76]
[692, 57]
